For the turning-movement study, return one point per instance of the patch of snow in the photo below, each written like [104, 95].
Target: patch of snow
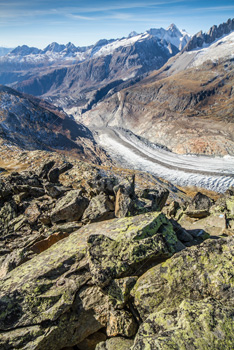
[110, 48]
[224, 47]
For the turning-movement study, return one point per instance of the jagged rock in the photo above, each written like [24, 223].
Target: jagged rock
[45, 168]
[194, 325]
[123, 204]
[121, 322]
[70, 207]
[148, 237]
[100, 208]
[55, 191]
[14, 259]
[197, 273]
[207, 38]
[53, 175]
[172, 209]
[127, 185]
[158, 196]
[119, 290]
[200, 206]
[104, 184]
[32, 213]
[91, 341]
[115, 343]
[39, 298]
[7, 213]
[125, 192]
[214, 225]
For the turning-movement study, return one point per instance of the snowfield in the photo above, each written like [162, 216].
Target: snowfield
[213, 173]
[221, 48]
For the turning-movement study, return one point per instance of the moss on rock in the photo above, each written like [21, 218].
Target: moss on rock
[197, 273]
[195, 325]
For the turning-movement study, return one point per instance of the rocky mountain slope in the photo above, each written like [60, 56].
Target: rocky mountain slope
[186, 106]
[28, 123]
[70, 76]
[73, 278]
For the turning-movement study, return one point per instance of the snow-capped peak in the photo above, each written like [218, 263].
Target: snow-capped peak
[172, 35]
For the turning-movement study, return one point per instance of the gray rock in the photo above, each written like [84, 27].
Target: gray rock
[70, 207]
[100, 208]
[53, 175]
[116, 343]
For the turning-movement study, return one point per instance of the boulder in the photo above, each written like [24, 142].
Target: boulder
[45, 168]
[158, 197]
[125, 192]
[123, 204]
[117, 343]
[55, 191]
[103, 184]
[52, 301]
[194, 325]
[133, 242]
[91, 341]
[70, 207]
[200, 206]
[53, 175]
[198, 272]
[100, 208]
[32, 213]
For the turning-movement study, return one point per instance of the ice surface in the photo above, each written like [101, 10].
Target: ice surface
[181, 170]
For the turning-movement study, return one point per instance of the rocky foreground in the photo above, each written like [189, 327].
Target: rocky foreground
[94, 259]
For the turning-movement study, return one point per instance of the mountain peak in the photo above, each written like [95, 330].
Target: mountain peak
[24, 50]
[54, 47]
[172, 27]
[214, 33]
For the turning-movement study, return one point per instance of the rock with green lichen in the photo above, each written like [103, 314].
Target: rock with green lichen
[115, 343]
[194, 325]
[54, 300]
[197, 273]
[119, 290]
[143, 239]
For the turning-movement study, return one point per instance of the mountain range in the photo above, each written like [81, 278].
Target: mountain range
[173, 90]
[70, 76]
[187, 105]
[117, 219]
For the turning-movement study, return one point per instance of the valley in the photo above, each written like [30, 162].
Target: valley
[130, 151]
[117, 193]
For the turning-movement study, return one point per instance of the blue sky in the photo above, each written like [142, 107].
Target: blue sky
[40, 22]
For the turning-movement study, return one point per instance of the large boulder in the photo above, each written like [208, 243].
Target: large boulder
[197, 273]
[55, 300]
[133, 242]
[70, 207]
[200, 206]
[115, 343]
[100, 208]
[194, 325]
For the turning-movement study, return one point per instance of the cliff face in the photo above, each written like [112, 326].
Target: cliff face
[214, 33]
